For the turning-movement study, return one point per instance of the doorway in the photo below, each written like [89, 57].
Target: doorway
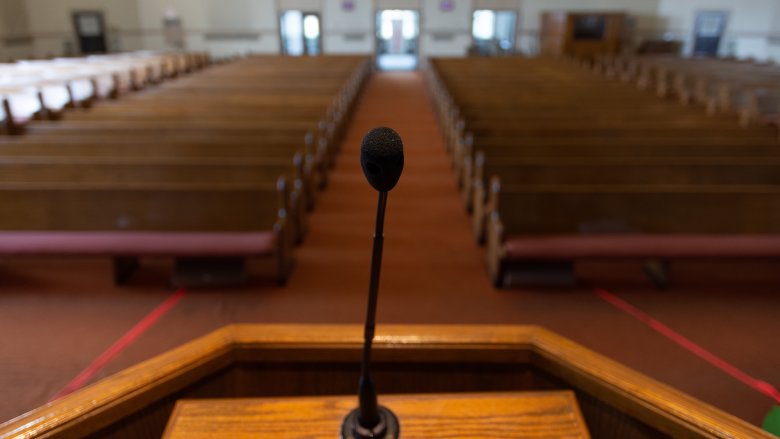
[300, 33]
[709, 28]
[397, 33]
[90, 31]
[493, 32]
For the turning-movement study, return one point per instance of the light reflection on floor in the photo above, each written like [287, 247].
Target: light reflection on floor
[396, 62]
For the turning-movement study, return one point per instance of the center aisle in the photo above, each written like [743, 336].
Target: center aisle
[429, 256]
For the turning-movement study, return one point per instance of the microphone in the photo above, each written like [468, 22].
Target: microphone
[382, 160]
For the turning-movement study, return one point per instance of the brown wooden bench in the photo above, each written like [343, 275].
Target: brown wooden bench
[638, 222]
[498, 150]
[313, 168]
[718, 84]
[644, 171]
[164, 170]
[186, 170]
[209, 228]
[571, 145]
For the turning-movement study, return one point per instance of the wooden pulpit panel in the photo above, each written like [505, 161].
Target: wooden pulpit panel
[452, 416]
[315, 360]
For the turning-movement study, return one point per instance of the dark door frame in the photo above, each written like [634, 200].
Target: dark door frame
[89, 44]
[709, 45]
[304, 13]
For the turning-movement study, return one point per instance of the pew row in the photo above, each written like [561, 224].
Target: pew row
[308, 157]
[45, 89]
[745, 88]
[210, 229]
[184, 170]
[495, 151]
[234, 128]
[546, 228]
[612, 170]
[536, 124]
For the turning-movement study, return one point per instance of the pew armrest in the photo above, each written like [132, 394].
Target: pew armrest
[495, 254]
[283, 248]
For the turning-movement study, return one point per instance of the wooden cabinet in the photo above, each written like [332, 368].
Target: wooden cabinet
[584, 34]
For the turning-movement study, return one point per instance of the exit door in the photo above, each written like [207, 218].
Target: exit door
[90, 31]
[300, 32]
[493, 31]
[708, 32]
[397, 39]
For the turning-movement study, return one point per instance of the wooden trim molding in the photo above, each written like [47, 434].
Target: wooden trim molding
[655, 404]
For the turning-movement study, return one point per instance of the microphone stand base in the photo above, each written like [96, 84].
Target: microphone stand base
[388, 426]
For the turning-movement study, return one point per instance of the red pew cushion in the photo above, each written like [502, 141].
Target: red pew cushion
[128, 243]
[556, 247]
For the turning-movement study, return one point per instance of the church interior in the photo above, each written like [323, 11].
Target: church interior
[583, 241]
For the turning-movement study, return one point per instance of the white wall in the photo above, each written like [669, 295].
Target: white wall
[445, 32]
[15, 32]
[348, 31]
[774, 39]
[223, 27]
[51, 26]
[751, 22]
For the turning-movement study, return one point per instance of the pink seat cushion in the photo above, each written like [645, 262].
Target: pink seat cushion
[641, 246]
[124, 243]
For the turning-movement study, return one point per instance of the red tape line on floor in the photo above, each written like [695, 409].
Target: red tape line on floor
[121, 344]
[758, 385]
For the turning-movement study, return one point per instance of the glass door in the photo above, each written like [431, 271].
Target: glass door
[90, 31]
[494, 32]
[397, 39]
[300, 33]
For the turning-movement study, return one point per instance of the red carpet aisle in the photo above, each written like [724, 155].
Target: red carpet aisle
[429, 254]
[56, 317]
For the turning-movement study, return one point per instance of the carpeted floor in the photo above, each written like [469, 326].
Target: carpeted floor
[57, 316]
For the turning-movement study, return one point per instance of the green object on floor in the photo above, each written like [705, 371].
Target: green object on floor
[772, 421]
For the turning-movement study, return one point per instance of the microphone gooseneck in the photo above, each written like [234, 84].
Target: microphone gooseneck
[382, 160]
[369, 412]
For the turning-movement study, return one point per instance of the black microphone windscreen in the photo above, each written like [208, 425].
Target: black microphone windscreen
[382, 158]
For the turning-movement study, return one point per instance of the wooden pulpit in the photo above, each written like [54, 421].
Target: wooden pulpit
[290, 381]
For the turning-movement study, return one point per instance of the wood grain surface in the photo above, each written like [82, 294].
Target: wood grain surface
[453, 416]
[118, 397]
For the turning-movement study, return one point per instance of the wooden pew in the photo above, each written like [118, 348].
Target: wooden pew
[502, 149]
[313, 171]
[163, 170]
[540, 126]
[219, 224]
[604, 114]
[232, 130]
[534, 226]
[640, 171]
[77, 82]
[718, 84]
[244, 83]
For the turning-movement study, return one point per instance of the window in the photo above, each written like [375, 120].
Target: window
[494, 31]
[300, 33]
